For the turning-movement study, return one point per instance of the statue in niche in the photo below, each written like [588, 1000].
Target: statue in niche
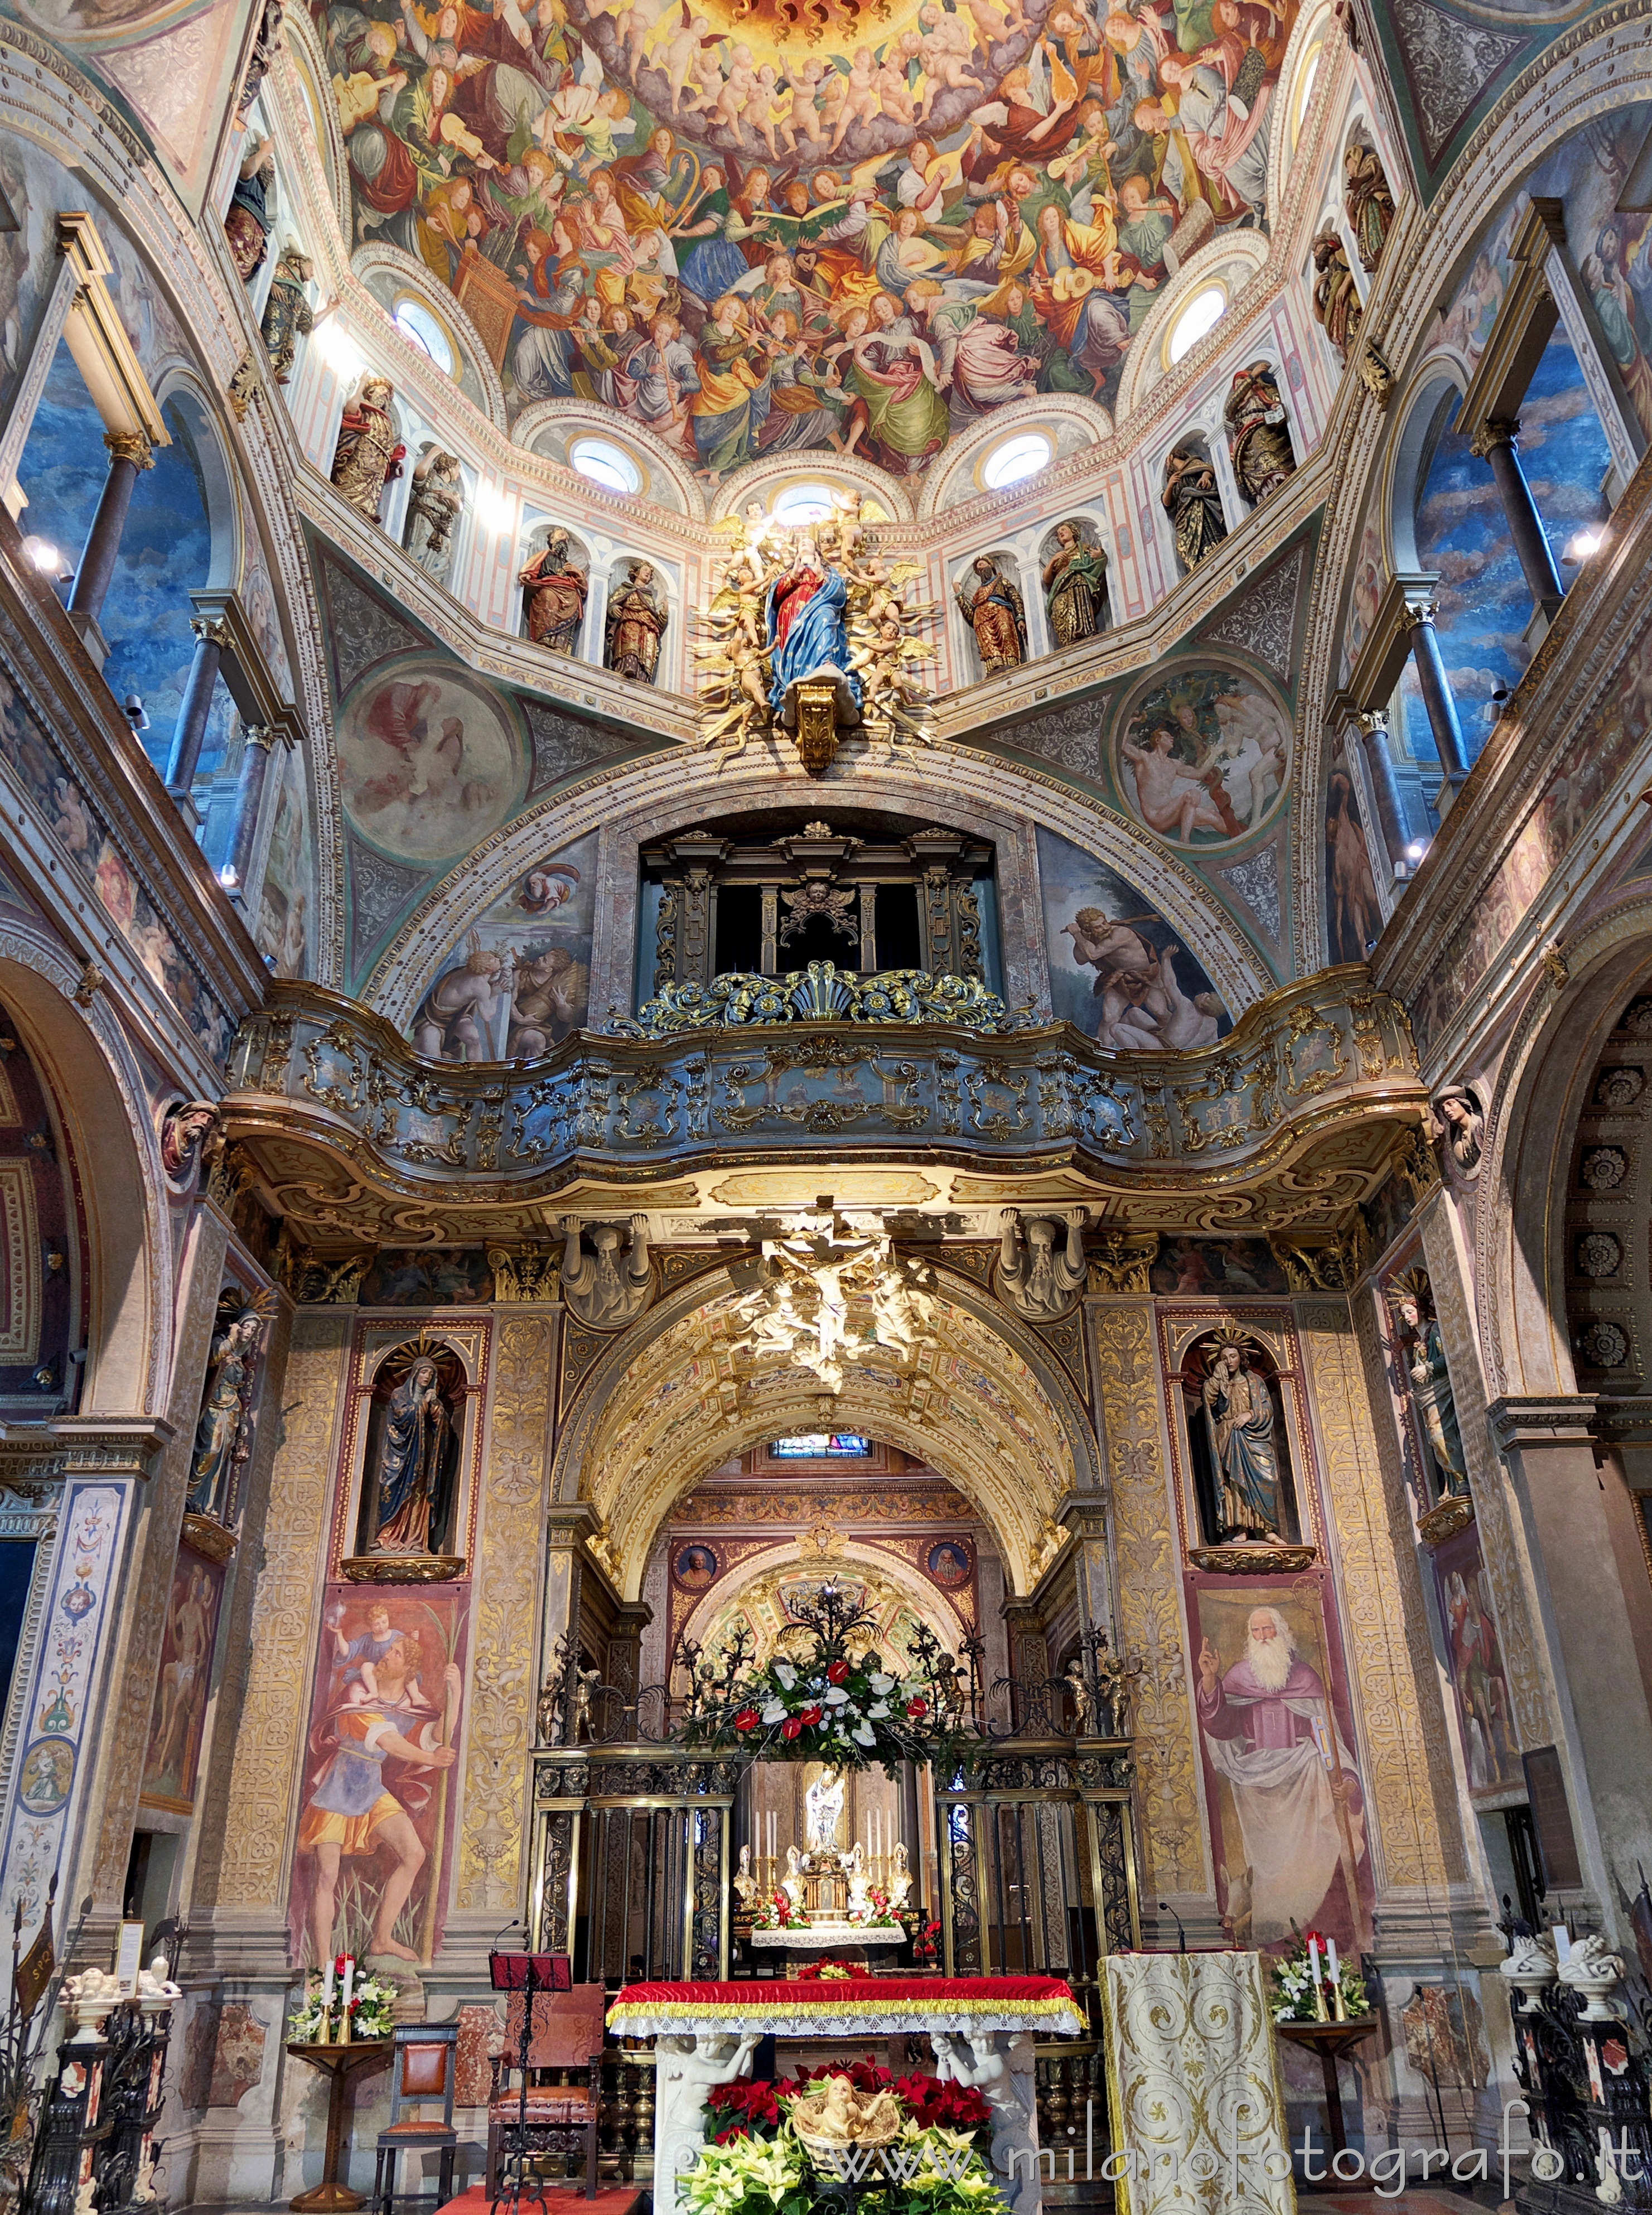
[595, 1288]
[435, 504]
[1075, 586]
[1258, 437]
[368, 454]
[1417, 1339]
[900, 1876]
[1369, 203]
[246, 222]
[996, 613]
[1192, 500]
[287, 316]
[224, 1431]
[1464, 1125]
[1336, 295]
[1033, 1280]
[792, 1884]
[408, 1460]
[1240, 1426]
[554, 595]
[746, 1885]
[635, 625]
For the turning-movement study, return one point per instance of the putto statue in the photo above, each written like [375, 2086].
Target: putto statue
[813, 633]
[368, 454]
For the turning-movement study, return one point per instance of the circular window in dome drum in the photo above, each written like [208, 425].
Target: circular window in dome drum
[1201, 315]
[1023, 455]
[414, 321]
[605, 464]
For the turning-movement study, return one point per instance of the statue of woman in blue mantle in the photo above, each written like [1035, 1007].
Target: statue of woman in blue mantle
[808, 639]
[413, 1450]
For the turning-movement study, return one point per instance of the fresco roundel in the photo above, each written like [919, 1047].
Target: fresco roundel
[430, 761]
[1203, 757]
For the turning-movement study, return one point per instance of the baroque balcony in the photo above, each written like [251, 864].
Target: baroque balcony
[1287, 1122]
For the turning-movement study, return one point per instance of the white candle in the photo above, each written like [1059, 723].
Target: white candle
[349, 1983]
[327, 1984]
[1313, 1958]
[1331, 1953]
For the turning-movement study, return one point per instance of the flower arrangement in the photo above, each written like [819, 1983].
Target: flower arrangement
[757, 2165]
[846, 1708]
[831, 1971]
[877, 1914]
[339, 2006]
[1312, 1985]
[926, 1944]
[776, 1912]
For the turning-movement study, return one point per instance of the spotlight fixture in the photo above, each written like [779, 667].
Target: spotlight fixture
[47, 558]
[1585, 543]
[133, 709]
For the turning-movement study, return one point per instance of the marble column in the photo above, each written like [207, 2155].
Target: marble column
[1592, 1598]
[1419, 621]
[1380, 760]
[210, 639]
[1498, 445]
[249, 800]
[129, 451]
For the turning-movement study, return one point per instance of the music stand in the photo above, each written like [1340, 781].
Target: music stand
[526, 1973]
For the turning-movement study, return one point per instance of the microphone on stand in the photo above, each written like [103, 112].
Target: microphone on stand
[1165, 1908]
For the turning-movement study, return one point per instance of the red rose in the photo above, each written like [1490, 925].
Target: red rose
[747, 1719]
[837, 1672]
[917, 1707]
[810, 1715]
[791, 1727]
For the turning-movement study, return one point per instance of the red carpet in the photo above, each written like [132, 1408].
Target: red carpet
[566, 2197]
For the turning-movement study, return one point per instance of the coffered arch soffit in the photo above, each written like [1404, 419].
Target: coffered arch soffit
[984, 1405]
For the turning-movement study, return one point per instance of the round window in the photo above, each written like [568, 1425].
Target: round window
[414, 321]
[1020, 457]
[605, 464]
[1202, 314]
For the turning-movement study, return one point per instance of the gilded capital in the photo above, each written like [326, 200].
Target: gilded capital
[258, 734]
[129, 446]
[1416, 612]
[210, 631]
[1503, 432]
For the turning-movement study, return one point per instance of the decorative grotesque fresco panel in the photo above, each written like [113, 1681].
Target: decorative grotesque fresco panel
[1117, 969]
[520, 980]
[759, 227]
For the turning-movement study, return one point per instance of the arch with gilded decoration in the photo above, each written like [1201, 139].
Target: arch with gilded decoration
[677, 1397]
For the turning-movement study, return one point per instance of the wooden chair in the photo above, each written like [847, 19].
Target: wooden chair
[566, 2035]
[424, 2063]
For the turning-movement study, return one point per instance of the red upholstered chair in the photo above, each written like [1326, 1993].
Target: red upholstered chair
[423, 2064]
[566, 2037]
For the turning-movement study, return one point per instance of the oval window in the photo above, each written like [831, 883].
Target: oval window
[605, 464]
[1202, 314]
[804, 503]
[414, 321]
[1020, 457]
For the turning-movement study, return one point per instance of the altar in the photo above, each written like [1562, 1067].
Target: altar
[981, 2030]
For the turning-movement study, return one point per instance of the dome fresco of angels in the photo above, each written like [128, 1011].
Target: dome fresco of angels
[760, 226]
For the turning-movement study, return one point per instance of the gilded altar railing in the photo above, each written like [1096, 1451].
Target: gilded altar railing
[1276, 1102]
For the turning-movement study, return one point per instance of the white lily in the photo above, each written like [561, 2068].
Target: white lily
[774, 1713]
[836, 1696]
[882, 1683]
[864, 1734]
[785, 1674]
[877, 1712]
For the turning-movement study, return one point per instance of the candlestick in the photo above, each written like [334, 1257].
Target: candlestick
[325, 2036]
[1339, 2011]
[349, 1985]
[1321, 2011]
